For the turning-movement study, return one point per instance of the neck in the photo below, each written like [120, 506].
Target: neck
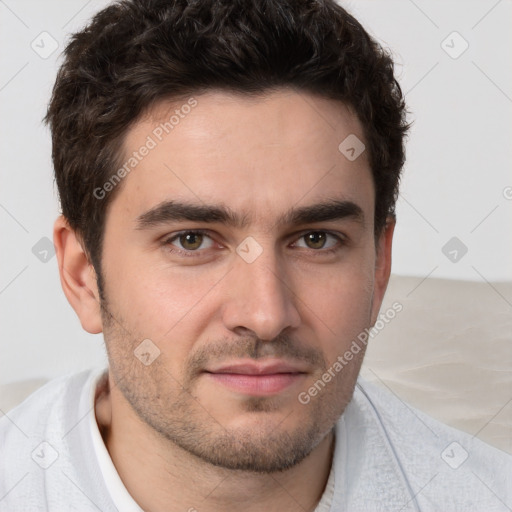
[161, 476]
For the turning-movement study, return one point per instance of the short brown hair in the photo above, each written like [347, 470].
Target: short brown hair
[135, 53]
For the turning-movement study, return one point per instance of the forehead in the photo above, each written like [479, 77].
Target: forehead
[258, 156]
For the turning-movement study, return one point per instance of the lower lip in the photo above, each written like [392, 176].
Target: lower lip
[257, 385]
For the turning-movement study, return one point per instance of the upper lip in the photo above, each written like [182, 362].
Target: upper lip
[253, 368]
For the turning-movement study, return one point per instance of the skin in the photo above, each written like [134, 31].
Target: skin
[179, 438]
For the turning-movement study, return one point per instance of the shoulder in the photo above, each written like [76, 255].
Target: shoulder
[35, 439]
[44, 402]
[445, 468]
[46, 405]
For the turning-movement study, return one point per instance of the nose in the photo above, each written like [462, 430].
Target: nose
[260, 298]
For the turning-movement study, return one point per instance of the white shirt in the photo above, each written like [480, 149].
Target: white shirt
[388, 457]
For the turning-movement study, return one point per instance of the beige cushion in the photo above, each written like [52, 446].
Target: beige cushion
[447, 353]
[14, 393]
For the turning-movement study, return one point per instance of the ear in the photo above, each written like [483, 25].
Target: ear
[382, 266]
[77, 276]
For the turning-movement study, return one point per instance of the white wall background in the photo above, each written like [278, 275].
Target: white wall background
[457, 181]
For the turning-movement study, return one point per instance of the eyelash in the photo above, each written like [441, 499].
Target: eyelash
[197, 253]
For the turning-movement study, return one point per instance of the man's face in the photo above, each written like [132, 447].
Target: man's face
[245, 315]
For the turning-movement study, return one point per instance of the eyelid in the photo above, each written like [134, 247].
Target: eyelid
[176, 234]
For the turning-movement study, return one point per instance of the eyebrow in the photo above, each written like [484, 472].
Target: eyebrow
[172, 211]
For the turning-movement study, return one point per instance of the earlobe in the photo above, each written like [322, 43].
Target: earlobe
[77, 276]
[382, 266]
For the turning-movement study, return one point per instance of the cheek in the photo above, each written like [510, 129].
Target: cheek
[338, 304]
[158, 300]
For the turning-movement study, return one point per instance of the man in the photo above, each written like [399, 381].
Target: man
[227, 172]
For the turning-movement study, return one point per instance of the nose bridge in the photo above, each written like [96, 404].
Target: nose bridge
[262, 298]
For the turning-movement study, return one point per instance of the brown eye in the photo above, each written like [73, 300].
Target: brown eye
[318, 240]
[191, 241]
[315, 240]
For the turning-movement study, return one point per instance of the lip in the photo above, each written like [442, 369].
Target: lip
[253, 368]
[257, 379]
